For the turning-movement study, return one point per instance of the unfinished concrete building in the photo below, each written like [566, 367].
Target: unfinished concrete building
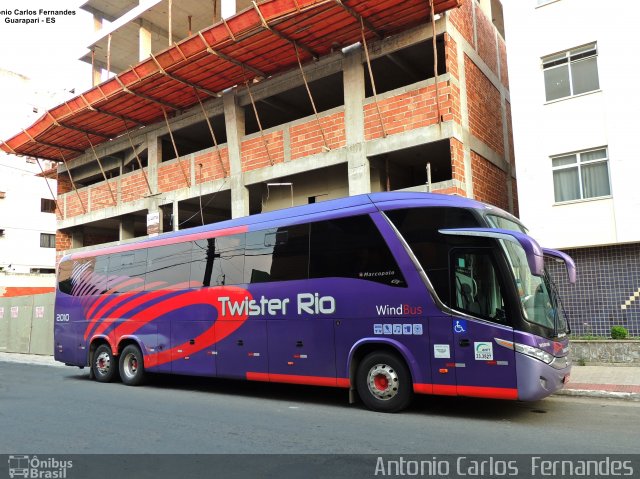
[287, 102]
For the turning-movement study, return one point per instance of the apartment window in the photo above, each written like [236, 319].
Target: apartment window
[47, 240]
[47, 206]
[571, 72]
[581, 175]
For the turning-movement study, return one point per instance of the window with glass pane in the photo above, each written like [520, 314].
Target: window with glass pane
[476, 286]
[168, 267]
[581, 175]
[571, 73]
[217, 261]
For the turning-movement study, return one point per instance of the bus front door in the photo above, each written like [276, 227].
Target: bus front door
[484, 368]
[485, 364]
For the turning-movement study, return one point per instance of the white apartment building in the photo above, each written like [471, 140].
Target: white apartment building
[575, 120]
[27, 209]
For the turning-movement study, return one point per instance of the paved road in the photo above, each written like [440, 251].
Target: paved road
[60, 411]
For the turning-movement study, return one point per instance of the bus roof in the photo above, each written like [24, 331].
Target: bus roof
[359, 204]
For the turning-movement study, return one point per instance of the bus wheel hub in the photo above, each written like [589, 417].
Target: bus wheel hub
[383, 381]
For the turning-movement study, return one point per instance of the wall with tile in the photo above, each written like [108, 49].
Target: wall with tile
[607, 291]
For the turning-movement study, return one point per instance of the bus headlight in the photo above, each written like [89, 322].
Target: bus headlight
[545, 357]
[536, 353]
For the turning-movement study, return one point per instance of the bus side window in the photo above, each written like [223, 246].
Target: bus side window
[65, 269]
[277, 254]
[217, 261]
[168, 267]
[352, 248]
[476, 286]
[126, 270]
[100, 274]
[419, 227]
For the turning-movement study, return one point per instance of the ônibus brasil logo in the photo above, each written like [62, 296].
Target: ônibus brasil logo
[34, 467]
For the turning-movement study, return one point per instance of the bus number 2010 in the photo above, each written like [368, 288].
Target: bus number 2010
[62, 317]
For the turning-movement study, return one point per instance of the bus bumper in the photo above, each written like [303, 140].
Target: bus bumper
[537, 380]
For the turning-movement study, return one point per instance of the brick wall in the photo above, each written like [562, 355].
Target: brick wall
[409, 110]
[487, 48]
[457, 160]
[462, 19]
[512, 154]
[211, 169]
[453, 190]
[306, 138]
[504, 72]
[133, 186]
[101, 197]
[64, 184]
[514, 192]
[63, 241]
[170, 176]
[451, 55]
[483, 102]
[254, 153]
[489, 182]
[74, 207]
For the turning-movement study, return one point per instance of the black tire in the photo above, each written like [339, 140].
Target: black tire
[132, 366]
[384, 382]
[103, 364]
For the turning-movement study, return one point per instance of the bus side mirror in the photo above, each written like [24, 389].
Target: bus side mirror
[563, 258]
[535, 256]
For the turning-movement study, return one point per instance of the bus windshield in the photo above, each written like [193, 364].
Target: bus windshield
[539, 299]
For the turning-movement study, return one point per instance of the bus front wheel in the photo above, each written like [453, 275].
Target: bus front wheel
[104, 364]
[384, 382]
[131, 365]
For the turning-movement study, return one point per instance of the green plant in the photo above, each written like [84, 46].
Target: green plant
[582, 362]
[619, 332]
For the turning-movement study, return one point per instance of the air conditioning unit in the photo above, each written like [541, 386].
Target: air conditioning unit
[2, 194]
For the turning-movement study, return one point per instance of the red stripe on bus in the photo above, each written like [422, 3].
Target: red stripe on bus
[296, 379]
[161, 242]
[423, 388]
[445, 389]
[488, 392]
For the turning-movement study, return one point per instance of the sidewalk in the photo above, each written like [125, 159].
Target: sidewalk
[590, 381]
[604, 381]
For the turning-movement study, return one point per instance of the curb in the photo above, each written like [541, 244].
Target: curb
[598, 394]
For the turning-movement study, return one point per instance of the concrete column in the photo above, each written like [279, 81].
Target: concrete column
[154, 146]
[144, 41]
[464, 118]
[176, 216]
[359, 170]
[77, 238]
[96, 72]
[127, 228]
[234, 122]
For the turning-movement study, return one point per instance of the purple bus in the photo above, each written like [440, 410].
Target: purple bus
[386, 295]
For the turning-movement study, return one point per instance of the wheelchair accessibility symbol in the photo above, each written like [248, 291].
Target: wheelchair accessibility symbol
[459, 326]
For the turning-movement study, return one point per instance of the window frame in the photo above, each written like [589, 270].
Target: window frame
[578, 165]
[47, 205]
[499, 277]
[50, 241]
[559, 62]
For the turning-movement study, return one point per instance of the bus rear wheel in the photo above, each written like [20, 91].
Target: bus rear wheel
[384, 382]
[104, 364]
[132, 365]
